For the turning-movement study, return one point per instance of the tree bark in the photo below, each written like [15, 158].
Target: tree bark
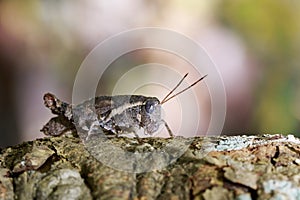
[225, 167]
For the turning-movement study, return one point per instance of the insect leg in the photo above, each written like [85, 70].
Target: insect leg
[168, 129]
[57, 126]
[57, 106]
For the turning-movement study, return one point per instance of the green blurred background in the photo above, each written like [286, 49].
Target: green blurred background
[255, 45]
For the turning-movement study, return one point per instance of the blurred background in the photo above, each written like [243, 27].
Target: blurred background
[254, 44]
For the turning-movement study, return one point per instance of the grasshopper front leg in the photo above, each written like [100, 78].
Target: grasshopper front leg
[168, 129]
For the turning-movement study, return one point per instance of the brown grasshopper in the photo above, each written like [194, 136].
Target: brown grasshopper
[121, 114]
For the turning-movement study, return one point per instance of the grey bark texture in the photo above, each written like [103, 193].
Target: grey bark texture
[225, 167]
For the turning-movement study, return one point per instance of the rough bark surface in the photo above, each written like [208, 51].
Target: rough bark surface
[226, 167]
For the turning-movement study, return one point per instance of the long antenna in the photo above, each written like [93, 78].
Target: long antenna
[174, 88]
[167, 99]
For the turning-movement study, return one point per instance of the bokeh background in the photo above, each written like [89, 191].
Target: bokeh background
[254, 44]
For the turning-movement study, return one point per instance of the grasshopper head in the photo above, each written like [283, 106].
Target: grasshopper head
[151, 115]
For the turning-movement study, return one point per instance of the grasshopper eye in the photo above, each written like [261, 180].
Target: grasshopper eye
[149, 106]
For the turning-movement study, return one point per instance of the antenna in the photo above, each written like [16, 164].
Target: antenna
[174, 88]
[167, 98]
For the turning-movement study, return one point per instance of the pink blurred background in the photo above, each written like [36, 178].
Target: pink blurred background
[254, 44]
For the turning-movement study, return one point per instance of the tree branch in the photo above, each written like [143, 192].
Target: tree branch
[226, 167]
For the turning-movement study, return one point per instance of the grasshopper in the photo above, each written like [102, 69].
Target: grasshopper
[120, 114]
